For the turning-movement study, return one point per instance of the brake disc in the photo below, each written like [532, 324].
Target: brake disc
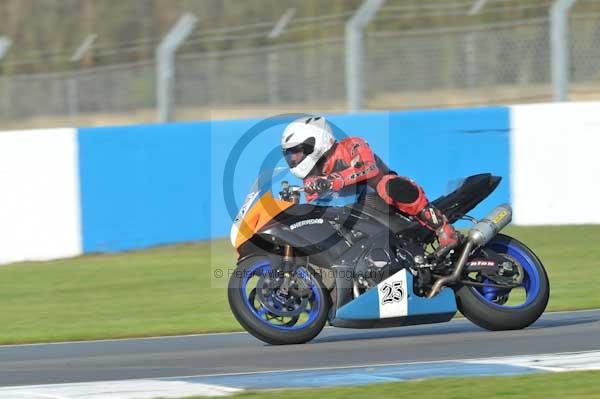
[268, 315]
[269, 294]
[516, 279]
[519, 276]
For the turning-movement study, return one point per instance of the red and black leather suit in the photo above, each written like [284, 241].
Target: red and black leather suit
[351, 161]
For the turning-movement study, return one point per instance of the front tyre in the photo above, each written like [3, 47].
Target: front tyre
[489, 309]
[268, 314]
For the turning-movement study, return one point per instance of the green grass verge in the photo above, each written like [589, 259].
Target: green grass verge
[169, 290]
[572, 385]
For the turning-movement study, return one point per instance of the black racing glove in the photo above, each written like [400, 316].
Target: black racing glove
[317, 184]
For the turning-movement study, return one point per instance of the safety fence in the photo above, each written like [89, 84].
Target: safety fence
[437, 66]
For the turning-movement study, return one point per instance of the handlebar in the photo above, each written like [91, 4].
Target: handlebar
[290, 192]
[286, 186]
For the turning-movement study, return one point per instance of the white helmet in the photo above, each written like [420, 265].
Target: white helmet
[304, 142]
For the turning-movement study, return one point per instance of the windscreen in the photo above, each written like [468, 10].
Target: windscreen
[454, 184]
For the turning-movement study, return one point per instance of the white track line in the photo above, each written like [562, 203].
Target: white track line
[469, 360]
[551, 362]
[138, 389]
[160, 337]
[176, 387]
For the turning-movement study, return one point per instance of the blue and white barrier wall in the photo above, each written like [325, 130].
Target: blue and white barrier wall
[71, 191]
[39, 195]
[555, 163]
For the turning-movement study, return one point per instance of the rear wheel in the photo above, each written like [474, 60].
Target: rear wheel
[268, 313]
[495, 309]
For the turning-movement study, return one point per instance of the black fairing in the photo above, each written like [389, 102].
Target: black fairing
[375, 208]
[309, 229]
[327, 234]
[472, 191]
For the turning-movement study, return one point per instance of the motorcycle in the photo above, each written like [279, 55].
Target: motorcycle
[353, 261]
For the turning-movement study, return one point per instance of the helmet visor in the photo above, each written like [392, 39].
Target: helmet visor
[295, 155]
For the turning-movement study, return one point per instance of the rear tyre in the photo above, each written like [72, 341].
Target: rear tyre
[267, 323]
[497, 316]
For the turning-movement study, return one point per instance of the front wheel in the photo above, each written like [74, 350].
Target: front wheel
[515, 309]
[271, 314]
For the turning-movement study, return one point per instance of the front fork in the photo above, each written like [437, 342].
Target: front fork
[287, 268]
[288, 250]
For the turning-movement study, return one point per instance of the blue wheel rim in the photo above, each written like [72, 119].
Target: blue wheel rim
[263, 267]
[531, 280]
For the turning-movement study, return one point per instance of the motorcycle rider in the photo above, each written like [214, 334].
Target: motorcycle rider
[313, 154]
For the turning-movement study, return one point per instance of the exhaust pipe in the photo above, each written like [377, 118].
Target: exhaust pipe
[478, 236]
[489, 226]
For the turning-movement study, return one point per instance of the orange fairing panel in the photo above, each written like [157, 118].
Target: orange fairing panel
[265, 209]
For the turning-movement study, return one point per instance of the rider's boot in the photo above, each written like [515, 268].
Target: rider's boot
[434, 219]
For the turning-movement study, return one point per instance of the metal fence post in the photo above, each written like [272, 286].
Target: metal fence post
[559, 31]
[165, 60]
[354, 52]
[273, 56]
[5, 43]
[470, 46]
[72, 89]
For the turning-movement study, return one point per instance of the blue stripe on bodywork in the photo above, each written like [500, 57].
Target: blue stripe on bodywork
[365, 307]
[444, 302]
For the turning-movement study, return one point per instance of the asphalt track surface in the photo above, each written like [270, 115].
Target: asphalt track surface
[239, 352]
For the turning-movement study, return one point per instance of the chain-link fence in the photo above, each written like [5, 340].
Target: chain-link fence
[299, 74]
[480, 65]
[504, 62]
[106, 90]
[585, 55]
